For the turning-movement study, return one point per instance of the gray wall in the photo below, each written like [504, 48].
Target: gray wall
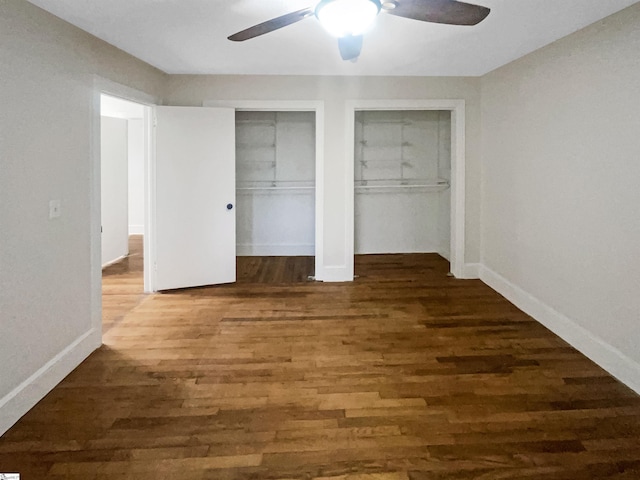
[46, 73]
[193, 90]
[560, 182]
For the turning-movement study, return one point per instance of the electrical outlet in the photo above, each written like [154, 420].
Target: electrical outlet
[54, 209]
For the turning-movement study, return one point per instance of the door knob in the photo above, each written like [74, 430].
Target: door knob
[229, 206]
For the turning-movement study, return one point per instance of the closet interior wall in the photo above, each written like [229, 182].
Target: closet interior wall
[402, 175]
[275, 183]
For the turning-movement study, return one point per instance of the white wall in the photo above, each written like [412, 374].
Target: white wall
[395, 153]
[136, 176]
[114, 189]
[275, 179]
[133, 112]
[335, 93]
[275, 222]
[561, 195]
[398, 221]
[47, 69]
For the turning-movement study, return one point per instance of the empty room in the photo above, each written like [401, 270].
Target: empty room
[329, 240]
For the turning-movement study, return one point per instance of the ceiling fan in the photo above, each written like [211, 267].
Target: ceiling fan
[349, 19]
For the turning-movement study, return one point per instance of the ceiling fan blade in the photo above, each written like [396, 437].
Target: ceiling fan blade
[350, 47]
[450, 12]
[271, 25]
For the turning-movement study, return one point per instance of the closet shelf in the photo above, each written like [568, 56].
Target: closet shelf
[366, 144]
[272, 185]
[245, 163]
[385, 162]
[277, 189]
[384, 122]
[252, 146]
[256, 122]
[400, 186]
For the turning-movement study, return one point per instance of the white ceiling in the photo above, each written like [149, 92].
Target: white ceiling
[119, 108]
[190, 36]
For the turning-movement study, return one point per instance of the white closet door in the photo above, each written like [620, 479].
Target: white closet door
[195, 197]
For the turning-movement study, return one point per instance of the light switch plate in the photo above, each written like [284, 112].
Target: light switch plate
[54, 209]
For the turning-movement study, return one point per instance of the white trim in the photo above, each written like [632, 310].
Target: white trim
[458, 156]
[471, 271]
[116, 260]
[136, 229]
[316, 106]
[266, 250]
[337, 273]
[266, 105]
[458, 187]
[608, 357]
[114, 89]
[95, 220]
[349, 192]
[149, 238]
[26, 395]
[319, 241]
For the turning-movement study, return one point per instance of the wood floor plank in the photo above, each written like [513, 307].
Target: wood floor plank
[123, 285]
[404, 374]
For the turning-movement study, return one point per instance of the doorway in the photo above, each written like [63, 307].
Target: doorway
[122, 194]
[456, 218]
[402, 173]
[275, 195]
[316, 110]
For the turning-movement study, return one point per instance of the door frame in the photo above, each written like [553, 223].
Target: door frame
[316, 106]
[105, 86]
[458, 156]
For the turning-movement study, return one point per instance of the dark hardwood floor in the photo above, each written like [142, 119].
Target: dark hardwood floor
[274, 269]
[123, 283]
[403, 374]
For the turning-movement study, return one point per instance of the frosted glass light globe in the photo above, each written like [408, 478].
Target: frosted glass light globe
[347, 17]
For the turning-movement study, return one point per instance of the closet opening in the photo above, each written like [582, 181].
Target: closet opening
[275, 196]
[402, 179]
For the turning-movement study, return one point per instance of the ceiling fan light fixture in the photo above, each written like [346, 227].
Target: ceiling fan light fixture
[347, 17]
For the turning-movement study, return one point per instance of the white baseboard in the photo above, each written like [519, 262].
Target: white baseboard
[25, 396]
[396, 251]
[294, 250]
[471, 271]
[136, 229]
[608, 357]
[332, 273]
[115, 260]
